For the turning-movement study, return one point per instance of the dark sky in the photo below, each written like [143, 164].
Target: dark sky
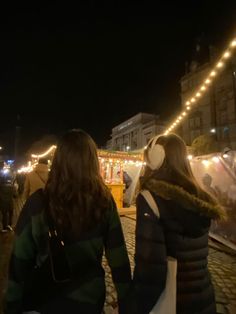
[95, 65]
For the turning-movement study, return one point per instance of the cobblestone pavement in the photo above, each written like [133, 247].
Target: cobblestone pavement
[222, 266]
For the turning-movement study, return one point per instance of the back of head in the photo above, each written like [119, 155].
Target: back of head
[75, 160]
[76, 191]
[166, 157]
[167, 150]
[43, 161]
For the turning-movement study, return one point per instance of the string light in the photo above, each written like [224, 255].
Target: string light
[45, 153]
[216, 159]
[206, 162]
[226, 55]
[208, 80]
[233, 43]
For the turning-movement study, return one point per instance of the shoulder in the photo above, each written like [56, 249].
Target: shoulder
[143, 208]
[28, 176]
[112, 208]
[34, 206]
[42, 167]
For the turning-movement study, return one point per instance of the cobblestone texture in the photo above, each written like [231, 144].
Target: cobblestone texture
[222, 267]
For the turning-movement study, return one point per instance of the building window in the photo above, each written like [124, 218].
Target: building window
[191, 123]
[225, 133]
[223, 117]
[134, 143]
[198, 122]
[195, 121]
[194, 134]
[147, 136]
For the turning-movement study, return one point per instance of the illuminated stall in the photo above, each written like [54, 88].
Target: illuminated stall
[113, 165]
[216, 173]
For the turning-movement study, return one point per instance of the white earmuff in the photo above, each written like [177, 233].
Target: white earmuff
[156, 154]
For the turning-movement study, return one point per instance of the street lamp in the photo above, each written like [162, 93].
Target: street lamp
[127, 148]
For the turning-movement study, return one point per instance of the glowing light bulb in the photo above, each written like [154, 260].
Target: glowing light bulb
[208, 81]
[187, 103]
[203, 87]
[233, 43]
[220, 64]
[198, 94]
[213, 73]
[226, 55]
[206, 163]
[193, 99]
[216, 159]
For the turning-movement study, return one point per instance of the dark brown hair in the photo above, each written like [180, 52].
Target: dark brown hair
[76, 193]
[176, 168]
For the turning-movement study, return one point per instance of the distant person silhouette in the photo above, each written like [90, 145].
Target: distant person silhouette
[207, 183]
[6, 197]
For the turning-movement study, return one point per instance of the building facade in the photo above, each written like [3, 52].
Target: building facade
[215, 112]
[135, 133]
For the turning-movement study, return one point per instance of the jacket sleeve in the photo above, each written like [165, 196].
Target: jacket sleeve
[21, 263]
[150, 258]
[117, 256]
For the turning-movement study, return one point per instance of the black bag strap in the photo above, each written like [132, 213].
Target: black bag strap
[60, 269]
[40, 177]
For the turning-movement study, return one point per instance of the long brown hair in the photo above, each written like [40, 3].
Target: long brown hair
[77, 196]
[176, 168]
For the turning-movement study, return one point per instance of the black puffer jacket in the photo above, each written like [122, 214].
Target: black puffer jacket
[181, 232]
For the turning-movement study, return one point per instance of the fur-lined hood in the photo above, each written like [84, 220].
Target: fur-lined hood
[185, 199]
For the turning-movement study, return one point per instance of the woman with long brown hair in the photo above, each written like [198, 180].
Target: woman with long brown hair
[60, 237]
[180, 230]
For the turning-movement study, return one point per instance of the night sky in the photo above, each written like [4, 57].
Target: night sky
[109, 60]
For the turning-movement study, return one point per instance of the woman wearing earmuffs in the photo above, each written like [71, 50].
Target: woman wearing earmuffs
[180, 230]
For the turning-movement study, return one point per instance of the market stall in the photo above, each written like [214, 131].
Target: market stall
[216, 173]
[117, 172]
